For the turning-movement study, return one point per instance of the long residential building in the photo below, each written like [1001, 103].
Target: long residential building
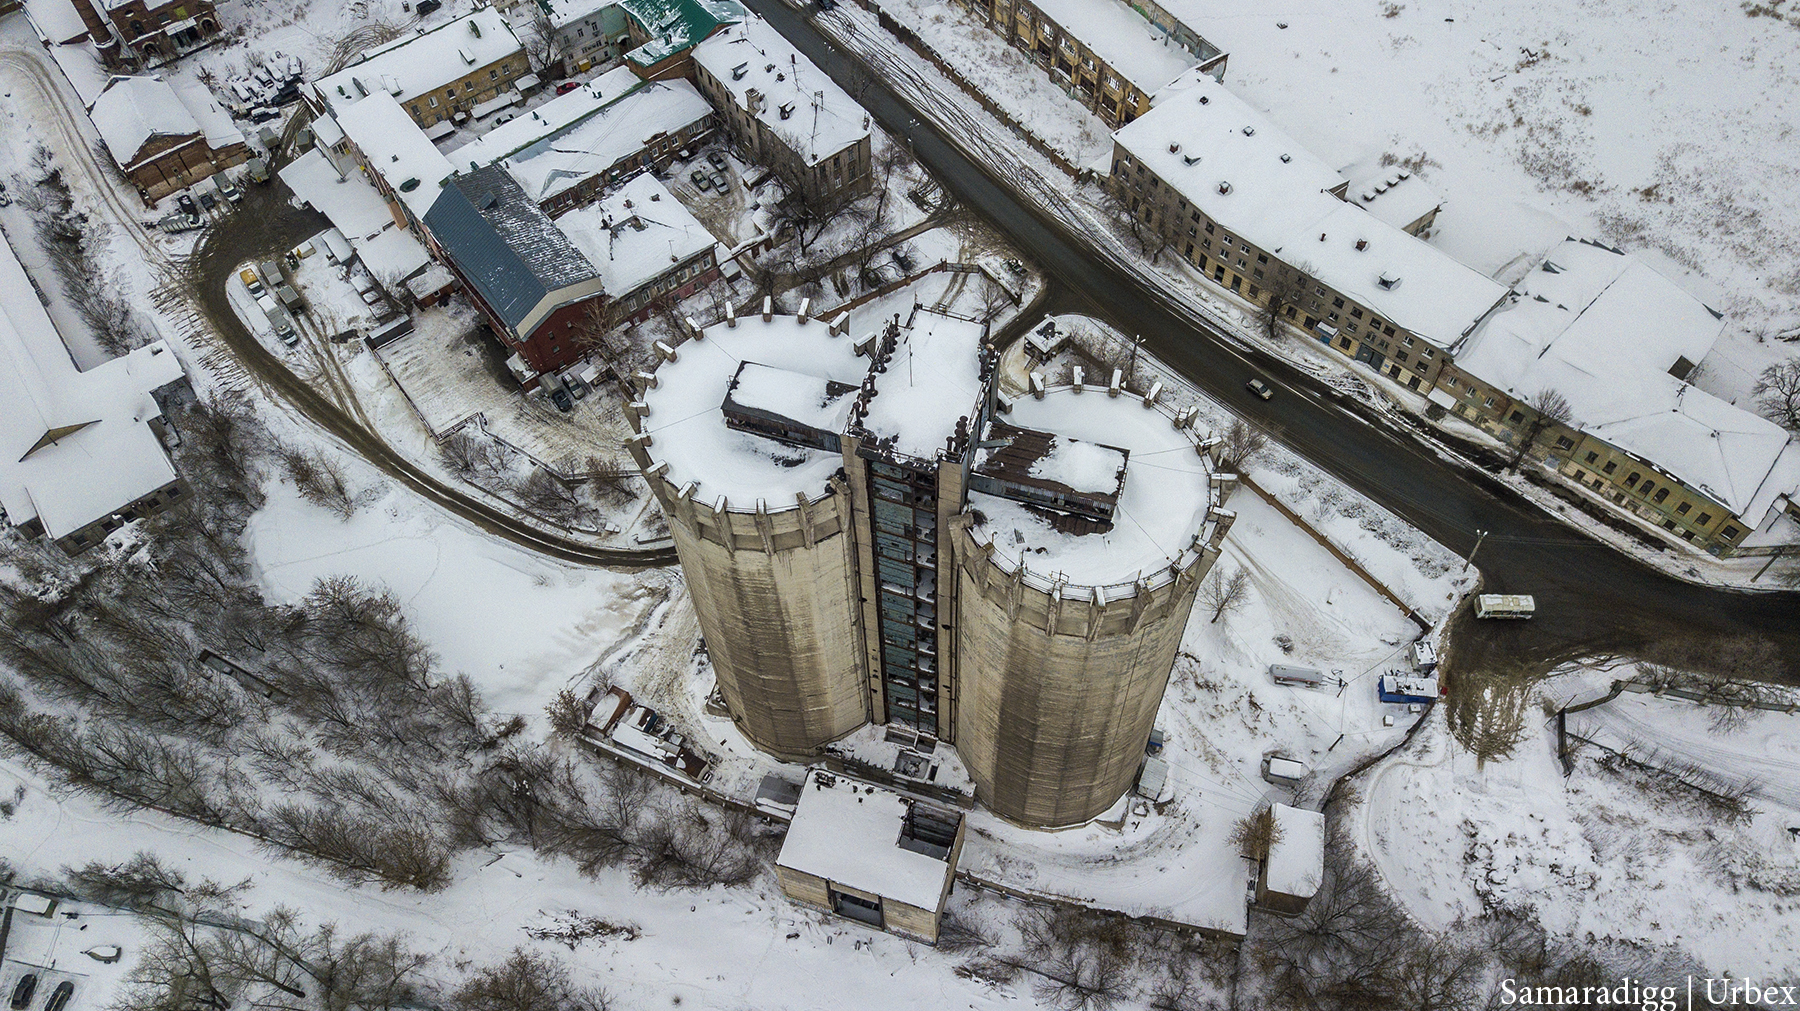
[437, 75]
[785, 111]
[1243, 203]
[1104, 53]
[871, 534]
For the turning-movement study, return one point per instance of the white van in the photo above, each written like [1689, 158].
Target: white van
[1505, 605]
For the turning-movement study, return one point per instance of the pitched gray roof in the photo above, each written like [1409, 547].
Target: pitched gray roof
[502, 244]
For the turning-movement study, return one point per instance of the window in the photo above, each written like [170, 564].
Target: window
[1661, 493]
[1209, 226]
[1515, 418]
[1337, 303]
[1344, 342]
[1611, 465]
[1580, 476]
[1408, 341]
[1682, 509]
[494, 75]
[1358, 314]
[1423, 353]
[1262, 258]
[1487, 402]
[1704, 519]
[1729, 532]
[1591, 457]
[1564, 442]
[431, 100]
[1401, 357]
[1632, 481]
[1644, 489]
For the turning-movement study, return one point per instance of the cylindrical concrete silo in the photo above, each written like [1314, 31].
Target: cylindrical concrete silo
[762, 526]
[1065, 638]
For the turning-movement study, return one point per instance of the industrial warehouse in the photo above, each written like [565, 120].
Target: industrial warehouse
[871, 533]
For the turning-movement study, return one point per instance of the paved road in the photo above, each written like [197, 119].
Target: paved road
[1592, 599]
[262, 228]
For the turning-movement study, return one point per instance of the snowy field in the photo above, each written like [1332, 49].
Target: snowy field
[1610, 853]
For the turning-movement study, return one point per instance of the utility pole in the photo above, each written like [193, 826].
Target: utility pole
[1471, 559]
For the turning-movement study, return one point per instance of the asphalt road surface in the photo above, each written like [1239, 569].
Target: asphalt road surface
[1591, 598]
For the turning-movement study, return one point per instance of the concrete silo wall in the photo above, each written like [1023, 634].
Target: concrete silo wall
[1057, 699]
[774, 594]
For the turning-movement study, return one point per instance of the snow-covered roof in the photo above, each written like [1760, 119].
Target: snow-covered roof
[359, 212]
[394, 146]
[1393, 195]
[567, 12]
[688, 427]
[215, 122]
[414, 64]
[81, 64]
[134, 109]
[1238, 168]
[1161, 506]
[104, 456]
[822, 119]
[1604, 329]
[572, 136]
[58, 20]
[677, 25]
[635, 233]
[1230, 161]
[1402, 278]
[1296, 862]
[849, 832]
[932, 383]
[1118, 34]
[817, 403]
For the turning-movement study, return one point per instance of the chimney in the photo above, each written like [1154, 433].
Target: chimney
[768, 308]
[805, 305]
[730, 316]
[1080, 375]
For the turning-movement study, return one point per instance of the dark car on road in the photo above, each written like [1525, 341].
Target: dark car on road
[59, 998]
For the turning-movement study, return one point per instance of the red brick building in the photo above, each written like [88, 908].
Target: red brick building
[142, 33]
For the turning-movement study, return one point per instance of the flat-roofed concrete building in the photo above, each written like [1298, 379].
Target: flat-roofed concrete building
[438, 75]
[871, 534]
[871, 855]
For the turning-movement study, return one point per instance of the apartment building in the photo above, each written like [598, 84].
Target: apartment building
[437, 75]
[1102, 52]
[1618, 341]
[786, 112]
[587, 33]
[1239, 199]
[663, 33]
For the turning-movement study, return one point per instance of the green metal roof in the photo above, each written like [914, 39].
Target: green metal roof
[675, 26]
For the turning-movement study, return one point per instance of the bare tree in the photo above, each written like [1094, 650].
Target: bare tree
[527, 981]
[1285, 287]
[1778, 393]
[1544, 411]
[1240, 445]
[567, 713]
[1256, 833]
[1223, 594]
[319, 479]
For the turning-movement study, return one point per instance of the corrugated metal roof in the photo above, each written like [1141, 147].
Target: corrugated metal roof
[498, 239]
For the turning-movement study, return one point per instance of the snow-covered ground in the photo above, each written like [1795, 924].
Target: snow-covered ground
[1612, 852]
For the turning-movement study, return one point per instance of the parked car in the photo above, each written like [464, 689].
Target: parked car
[228, 189]
[567, 86]
[264, 113]
[207, 200]
[719, 182]
[59, 998]
[187, 205]
[290, 298]
[1259, 388]
[22, 992]
[251, 281]
[698, 178]
[283, 325]
[717, 159]
[429, 6]
[257, 170]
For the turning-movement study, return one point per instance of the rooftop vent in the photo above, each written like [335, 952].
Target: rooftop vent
[1174, 147]
[1204, 100]
[787, 109]
[1190, 159]
[1388, 281]
[474, 28]
[738, 72]
[467, 57]
[1362, 244]
[489, 201]
[1285, 158]
[409, 185]
[1249, 131]
[1224, 187]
